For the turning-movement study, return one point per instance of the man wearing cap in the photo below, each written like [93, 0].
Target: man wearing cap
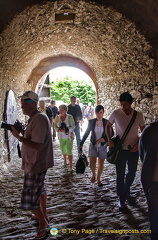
[37, 157]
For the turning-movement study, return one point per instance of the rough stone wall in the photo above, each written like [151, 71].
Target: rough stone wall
[104, 39]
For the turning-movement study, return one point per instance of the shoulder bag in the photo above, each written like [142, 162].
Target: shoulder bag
[113, 153]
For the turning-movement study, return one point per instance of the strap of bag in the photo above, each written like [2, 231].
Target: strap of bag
[129, 126]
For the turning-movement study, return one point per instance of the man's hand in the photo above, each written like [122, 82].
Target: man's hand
[26, 141]
[108, 134]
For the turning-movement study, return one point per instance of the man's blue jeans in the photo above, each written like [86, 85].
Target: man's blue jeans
[77, 133]
[152, 200]
[124, 182]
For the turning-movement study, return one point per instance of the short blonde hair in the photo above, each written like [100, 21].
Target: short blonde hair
[63, 107]
[41, 103]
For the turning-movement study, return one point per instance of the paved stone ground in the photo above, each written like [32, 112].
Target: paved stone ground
[76, 207]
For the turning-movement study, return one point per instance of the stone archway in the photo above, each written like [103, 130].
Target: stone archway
[47, 64]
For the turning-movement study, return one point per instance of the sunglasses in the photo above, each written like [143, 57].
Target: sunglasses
[28, 100]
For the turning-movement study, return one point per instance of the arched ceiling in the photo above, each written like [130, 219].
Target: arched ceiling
[144, 13]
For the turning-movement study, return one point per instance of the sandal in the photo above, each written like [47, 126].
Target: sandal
[92, 179]
[100, 184]
[33, 216]
[45, 232]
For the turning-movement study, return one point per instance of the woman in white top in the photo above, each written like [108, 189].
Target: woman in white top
[98, 143]
[64, 124]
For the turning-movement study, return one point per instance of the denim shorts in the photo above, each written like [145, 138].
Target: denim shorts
[33, 188]
[94, 151]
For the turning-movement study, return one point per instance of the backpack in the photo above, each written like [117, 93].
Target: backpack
[81, 164]
[49, 112]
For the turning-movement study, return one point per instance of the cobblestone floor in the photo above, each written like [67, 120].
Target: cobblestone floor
[76, 207]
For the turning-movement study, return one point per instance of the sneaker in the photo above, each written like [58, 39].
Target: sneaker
[121, 205]
[130, 199]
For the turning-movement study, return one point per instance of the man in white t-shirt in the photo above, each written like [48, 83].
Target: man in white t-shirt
[129, 153]
[37, 157]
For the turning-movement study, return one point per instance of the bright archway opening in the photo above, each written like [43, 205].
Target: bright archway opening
[61, 83]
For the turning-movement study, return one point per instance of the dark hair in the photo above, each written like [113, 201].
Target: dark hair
[98, 108]
[126, 96]
[73, 97]
[52, 102]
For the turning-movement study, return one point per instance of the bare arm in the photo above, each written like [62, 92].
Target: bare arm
[141, 128]
[135, 147]
[108, 134]
[26, 141]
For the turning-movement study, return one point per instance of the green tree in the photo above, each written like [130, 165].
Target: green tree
[63, 89]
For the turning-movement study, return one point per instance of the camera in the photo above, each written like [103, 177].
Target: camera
[64, 127]
[17, 125]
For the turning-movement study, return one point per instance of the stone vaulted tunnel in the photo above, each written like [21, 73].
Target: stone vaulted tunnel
[97, 39]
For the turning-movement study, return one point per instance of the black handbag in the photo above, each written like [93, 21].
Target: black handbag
[113, 153]
[82, 163]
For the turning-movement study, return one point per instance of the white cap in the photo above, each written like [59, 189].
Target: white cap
[30, 95]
